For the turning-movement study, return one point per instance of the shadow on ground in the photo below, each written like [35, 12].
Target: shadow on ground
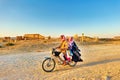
[64, 68]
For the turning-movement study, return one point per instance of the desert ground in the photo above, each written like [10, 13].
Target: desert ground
[23, 62]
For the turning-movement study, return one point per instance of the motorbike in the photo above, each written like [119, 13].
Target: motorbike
[49, 63]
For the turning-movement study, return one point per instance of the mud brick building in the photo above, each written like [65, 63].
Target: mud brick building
[33, 36]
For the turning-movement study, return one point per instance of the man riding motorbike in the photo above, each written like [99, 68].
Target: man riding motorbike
[63, 49]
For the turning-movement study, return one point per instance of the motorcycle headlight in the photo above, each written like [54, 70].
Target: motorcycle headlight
[50, 51]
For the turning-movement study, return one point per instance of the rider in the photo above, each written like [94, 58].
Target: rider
[70, 41]
[74, 50]
[63, 48]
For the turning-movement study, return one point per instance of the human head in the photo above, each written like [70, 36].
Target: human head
[62, 37]
[70, 39]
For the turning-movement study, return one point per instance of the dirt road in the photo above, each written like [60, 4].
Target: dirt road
[101, 62]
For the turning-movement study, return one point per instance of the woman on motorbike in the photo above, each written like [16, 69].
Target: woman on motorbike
[74, 50]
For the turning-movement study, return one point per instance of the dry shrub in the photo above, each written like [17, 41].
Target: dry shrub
[0, 46]
[10, 44]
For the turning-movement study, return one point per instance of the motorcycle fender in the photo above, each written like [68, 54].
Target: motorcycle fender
[48, 58]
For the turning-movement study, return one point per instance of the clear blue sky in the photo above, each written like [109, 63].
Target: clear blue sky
[55, 17]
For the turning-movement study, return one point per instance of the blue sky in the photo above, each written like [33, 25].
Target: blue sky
[55, 17]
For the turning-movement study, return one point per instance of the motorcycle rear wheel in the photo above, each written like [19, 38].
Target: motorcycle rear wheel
[72, 63]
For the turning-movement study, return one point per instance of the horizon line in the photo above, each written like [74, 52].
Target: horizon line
[100, 36]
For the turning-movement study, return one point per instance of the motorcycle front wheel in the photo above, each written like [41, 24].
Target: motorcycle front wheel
[48, 65]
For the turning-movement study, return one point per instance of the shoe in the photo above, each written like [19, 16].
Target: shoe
[64, 63]
[81, 60]
[59, 63]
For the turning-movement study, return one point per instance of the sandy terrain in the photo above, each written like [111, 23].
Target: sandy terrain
[28, 46]
[101, 62]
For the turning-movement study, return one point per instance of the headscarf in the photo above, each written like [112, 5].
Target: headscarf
[70, 42]
[62, 37]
